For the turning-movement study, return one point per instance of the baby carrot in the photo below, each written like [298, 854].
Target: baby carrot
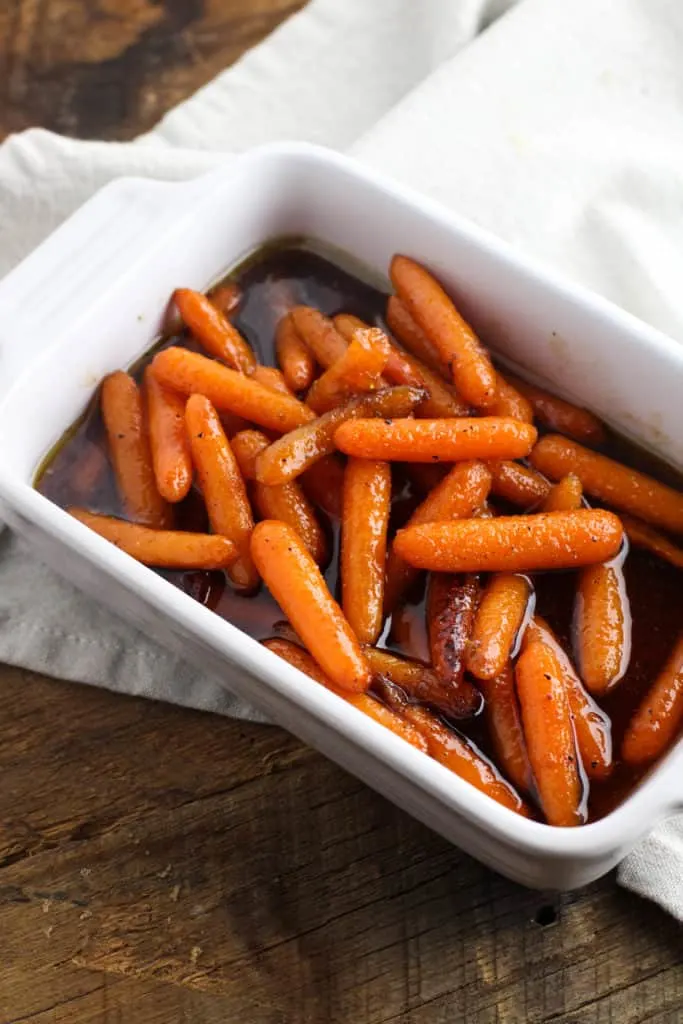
[549, 540]
[213, 330]
[500, 616]
[365, 519]
[297, 585]
[454, 339]
[592, 727]
[228, 390]
[398, 369]
[359, 369]
[564, 496]
[129, 449]
[609, 481]
[505, 728]
[271, 377]
[167, 549]
[408, 440]
[518, 484]
[319, 334]
[643, 536]
[602, 626]
[412, 337]
[418, 681]
[222, 486]
[323, 482]
[290, 455]
[295, 359]
[288, 503]
[365, 702]
[561, 416]
[451, 605]
[549, 734]
[171, 456]
[510, 402]
[226, 297]
[457, 496]
[657, 720]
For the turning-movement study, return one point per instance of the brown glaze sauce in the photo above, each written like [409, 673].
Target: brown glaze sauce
[78, 473]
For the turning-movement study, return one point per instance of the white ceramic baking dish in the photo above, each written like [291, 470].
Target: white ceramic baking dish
[90, 300]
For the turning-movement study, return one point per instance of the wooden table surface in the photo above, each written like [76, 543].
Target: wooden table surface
[160, 865]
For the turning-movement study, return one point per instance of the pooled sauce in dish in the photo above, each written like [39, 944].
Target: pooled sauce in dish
[78, 473]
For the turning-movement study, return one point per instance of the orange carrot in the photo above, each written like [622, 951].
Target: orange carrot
[505, 728]
[549, 540]
[365, 519]
[509, 402]
[602, 626]
[398, 369]
[359, 369]
[592, 727]
[451, 606]
[131, 456]
[643, 536]
[500, 616]
[518, 484]
[213, 330]
[412, 337]
[226, 297]
[609, 481]
[171, 456]
[294, 357]
[167, 549]
[300, 449]
[454, 339]
[660, 715]
[457, 496]
[564, 496]
[363, 701]
[408, 440]
[418, 681]
[549, 734]
[228, 390]
[288, 503]
[222, 486]
[297, 585]
[323, 482]
[271, 377]
[561, 416]
[319, 335]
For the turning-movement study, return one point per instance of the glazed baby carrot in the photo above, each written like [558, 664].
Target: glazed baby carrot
[365, 519]
[365, 702]
[295, 359]
[641, 535]
[290, 455]
[549, 734]
[455, 341]
[167, 549]
[222, 486]
[297, 585]
[656, 722]
[319, 334]
[500, 616]
[550, 540]
[171, 456]
[518, 484]
[510, 402]
[398, 369]
[564, 496]
[270, 377]
[592, 727]
[228, 390]
[408, 440]
[451, 606]
[323, 482]
[602, 626]
[418, 681]
[226, 297]
[505, 728]
[609, 481]
[129, 449]
[359, 369]
[213, 330]
[288, 503]
[412, 337]
[457, 496]
[561, 416]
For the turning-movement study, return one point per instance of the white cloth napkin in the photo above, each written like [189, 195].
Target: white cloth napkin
[558, 124]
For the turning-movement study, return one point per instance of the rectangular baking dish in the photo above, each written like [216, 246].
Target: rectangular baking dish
[90, 300]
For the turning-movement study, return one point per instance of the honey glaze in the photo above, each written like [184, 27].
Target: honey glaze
[78, 472]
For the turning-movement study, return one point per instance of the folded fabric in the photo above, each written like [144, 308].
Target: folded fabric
[556, 123]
